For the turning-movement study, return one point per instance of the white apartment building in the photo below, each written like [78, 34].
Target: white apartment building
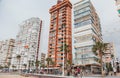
[87, 31]
[6, 49]
[27, 44]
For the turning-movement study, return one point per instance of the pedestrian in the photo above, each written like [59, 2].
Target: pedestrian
[78, 70]
[86, 71]
[118, 69]
[114, 70]
[75, 73]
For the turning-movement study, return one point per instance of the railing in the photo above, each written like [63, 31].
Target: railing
[46, 76]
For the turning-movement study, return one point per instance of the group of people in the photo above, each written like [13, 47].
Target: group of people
[77, 71]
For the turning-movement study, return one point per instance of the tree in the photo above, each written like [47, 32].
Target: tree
[112, 56]
[13, 66]
[43, 66]
[1, 67]
[98, 49]
[66, 50]
[19, 59]
[109, 67]
[32, 63]
[25, 65]
[37, 63]
[52, 63]
[9, 64]
[6, 66]
[49, 60]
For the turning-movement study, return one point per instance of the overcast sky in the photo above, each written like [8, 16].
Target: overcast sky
[13, 12]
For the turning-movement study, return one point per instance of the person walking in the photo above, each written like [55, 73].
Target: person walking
[114, 70]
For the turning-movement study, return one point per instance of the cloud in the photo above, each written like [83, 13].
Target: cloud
[13, 12]
[113, 36]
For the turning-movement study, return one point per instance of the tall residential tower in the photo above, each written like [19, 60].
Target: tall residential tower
[87, 31]
[6, 50]
[60, 32]
[27, 44]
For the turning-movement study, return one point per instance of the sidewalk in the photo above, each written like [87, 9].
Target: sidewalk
[118, 74]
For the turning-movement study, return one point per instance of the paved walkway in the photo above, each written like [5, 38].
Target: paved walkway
[13, 76]
[8, 75]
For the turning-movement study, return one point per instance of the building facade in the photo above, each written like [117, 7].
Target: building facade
[27, 44]
[43, 58]
[60, 32]
[87, 31]
[6, 50]
[118, 6]
[109, 53]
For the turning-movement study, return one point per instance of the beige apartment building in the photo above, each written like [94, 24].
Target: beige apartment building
[6, 50]
[110, 53]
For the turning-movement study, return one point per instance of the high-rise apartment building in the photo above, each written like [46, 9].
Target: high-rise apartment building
[60, 32]
[27, 43]
[118, 6]
[6, 49]
[87, 31]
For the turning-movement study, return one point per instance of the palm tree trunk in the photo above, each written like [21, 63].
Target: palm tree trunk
[19, 67]
[101, 64]
[36, 68]
[48, 68]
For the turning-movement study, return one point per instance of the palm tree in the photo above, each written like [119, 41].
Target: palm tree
[13, 66]
[43, 66]
[32, 63]
[1, 67]
[99, 48]
[25, 65]
[37, 63]
[112, 56]
[52, 63]
[49, 60]
[8, 64]
[65, 47]
[29, 66]
[68, 63]
[19, 59]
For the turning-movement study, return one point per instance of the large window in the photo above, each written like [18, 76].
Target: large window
[83, 49]
[80, 15]
[82, 5]
[83, 23]
[80, 11]
[84, 38]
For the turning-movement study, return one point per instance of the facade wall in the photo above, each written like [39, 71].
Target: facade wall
[109, 52]
[87, 31]
[6, 49]
[60, 31]
[43, 58]
[27, 43]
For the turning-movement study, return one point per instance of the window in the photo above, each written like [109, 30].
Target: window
[86, 22]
